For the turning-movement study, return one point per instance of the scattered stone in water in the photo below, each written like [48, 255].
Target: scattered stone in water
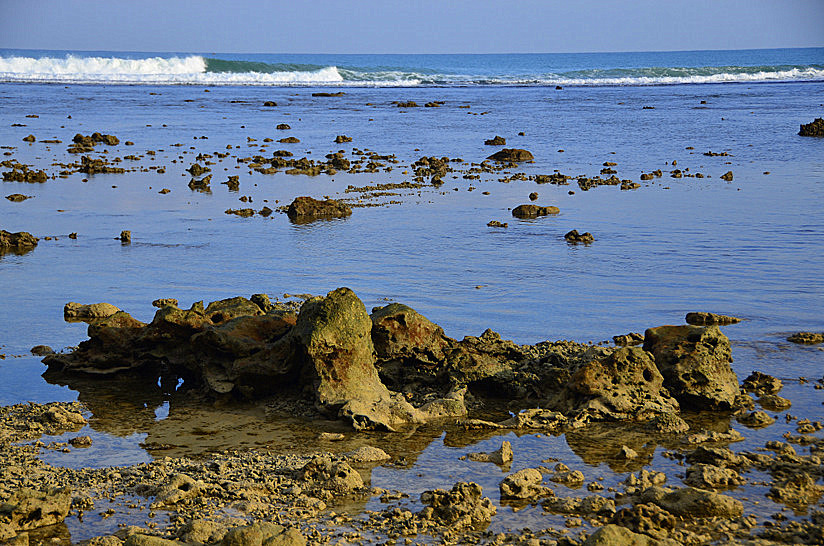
[773, 402]
[18, 197]
[533, 211]
[727, 176]
[496, 141]
[74, 311]
[125, 236]
[29, 138]
[813, 129]
[632, 338]
[756, 419]
[533, 196]
[497, 224]
[706, 319]
[807, 338]
[511, 155]
[501, 456]
[18, 240]
[340, 139]
[524, 484]
[41, 350]
[573, 237]
[306, 209]
[283, 127]
[462, 507]
[270, 103]
[81, 441]
[762, 384]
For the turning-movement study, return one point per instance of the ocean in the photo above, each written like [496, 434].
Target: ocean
[749, 247]
[580, 69]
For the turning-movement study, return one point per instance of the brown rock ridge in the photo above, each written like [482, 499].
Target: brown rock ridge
[396, 367]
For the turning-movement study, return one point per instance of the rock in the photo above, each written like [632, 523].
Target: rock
[511, 155]
[331, 436]
[233, 183]
[695, 362]
[524, 484]
[462, 507]
[327, 94]
[814, 129]
[307, 209]
[340, 139]
[41, 350]
[632, 338]
[74, 311]
[18, 197]
[19, 240]
[434, 104]
[690, 502]
[202, 531]
[408, 104]
[27, 509]
[201, 185]
[573, 237]
[262, 533]
[81, 441]
[614, 384]
[626, 453]
[643, 480]
[270, 103]
[727, 176]
[533, 211]
[497, 141]
[807, 338]
[593, 505]
[570, 478]
[125, 236]
[761, 383]
[666, 423]
[497, 224]
[289, 140]
[799, 489]
[773, 402]
[283, 127]
[334, 337]
[179, 487]
[615, 535]
[165, 302]
[707, 476]
[756, 419]
[649, 519]
[29, 138]
[717, 456]
[399, 333]
[533, 196]
[335, 476]
[706, 319]
[139, 539]
[501, 456]
[367, 454]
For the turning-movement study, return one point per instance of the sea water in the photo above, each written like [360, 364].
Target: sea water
[751, 247]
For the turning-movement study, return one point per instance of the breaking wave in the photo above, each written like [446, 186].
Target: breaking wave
[200, 70]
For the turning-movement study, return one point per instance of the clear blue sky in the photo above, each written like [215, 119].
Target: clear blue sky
[422, 26]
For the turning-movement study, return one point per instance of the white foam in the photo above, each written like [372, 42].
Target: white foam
[155, 70]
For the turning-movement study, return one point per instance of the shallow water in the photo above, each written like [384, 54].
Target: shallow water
[750, 248]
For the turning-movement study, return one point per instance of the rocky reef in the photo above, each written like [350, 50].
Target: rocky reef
[395, 368]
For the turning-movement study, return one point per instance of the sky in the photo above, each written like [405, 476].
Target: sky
[410, 26]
